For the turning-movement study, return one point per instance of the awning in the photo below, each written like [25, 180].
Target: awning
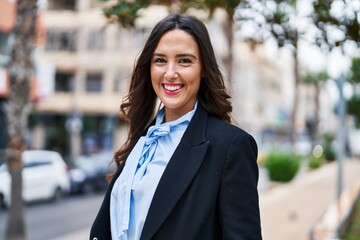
[4, 83]
[7, 15]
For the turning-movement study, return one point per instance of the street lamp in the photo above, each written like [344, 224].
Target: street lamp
[341, 135]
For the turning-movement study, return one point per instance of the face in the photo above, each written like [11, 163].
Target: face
[176, 73]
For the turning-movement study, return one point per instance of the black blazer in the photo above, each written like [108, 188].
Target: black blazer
[208, 190]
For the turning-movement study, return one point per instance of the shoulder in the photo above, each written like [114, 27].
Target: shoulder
[225, 130]
[223, 134]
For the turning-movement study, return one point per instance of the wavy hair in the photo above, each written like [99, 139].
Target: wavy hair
[139, 106]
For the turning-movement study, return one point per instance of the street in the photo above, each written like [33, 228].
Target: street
[48, 220]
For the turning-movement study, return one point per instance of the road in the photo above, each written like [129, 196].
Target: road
[47, 220]
[70, 214]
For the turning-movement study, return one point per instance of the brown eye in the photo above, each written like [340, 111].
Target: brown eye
[159, 60]
[185, 61]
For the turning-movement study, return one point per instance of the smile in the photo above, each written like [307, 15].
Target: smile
[172, 87]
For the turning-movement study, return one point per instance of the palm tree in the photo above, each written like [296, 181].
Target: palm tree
[316, 80]
[277, 20]
[17, 109]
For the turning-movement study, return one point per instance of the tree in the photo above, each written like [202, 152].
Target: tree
[278, 20]
[126, 12]
[17, 108]
[353, 104]
[337, 23]
[316, 79]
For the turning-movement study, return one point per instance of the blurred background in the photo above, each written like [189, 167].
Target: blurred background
[291, 67]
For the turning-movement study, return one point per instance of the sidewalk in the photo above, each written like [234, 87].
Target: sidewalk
[289, 211]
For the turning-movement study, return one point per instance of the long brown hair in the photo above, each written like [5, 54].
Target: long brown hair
[139, 105]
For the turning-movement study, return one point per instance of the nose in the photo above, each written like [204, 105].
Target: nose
[171, 73]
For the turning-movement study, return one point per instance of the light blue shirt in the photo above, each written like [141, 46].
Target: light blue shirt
[143, 186]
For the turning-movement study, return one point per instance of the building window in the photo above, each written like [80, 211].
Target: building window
[128, 39]
[61, 4]
[97, 133]
[96, 40]
[94, 82]
[5, 48]
[119, 82]
[61, 40]
[140, 34]
[124, 39]
[64, 82]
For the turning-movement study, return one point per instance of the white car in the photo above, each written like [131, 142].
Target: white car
[44, 175]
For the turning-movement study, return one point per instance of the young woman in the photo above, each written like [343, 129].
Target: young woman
[188, 174]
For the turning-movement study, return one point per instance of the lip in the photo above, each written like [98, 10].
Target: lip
[172, 88]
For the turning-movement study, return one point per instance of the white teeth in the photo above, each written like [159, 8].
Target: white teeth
[172, 87]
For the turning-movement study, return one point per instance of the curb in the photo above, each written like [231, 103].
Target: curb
[336, 216]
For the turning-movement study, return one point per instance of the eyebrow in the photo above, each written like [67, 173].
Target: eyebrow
[178, 55]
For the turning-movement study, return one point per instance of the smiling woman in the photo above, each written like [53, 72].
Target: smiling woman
[185, 173]
[176, 73]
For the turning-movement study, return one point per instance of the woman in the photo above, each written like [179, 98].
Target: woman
[188, 174]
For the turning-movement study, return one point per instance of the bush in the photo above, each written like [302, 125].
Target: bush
[316, 158]
[282, 166]
[329, 152]
[314, 162]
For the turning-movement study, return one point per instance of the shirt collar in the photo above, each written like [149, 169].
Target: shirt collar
[185, 118]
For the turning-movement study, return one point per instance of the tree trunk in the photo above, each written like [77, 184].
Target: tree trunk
[17, 109]
[16, 224]
[228, 61]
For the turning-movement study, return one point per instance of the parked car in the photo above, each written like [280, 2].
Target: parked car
[88, 172]
[45, 177]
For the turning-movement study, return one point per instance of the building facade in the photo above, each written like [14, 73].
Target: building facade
[92, 63]
[89, 63]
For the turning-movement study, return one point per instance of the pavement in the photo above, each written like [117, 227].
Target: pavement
[289, 211]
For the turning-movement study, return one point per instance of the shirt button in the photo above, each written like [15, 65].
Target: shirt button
[95, 238]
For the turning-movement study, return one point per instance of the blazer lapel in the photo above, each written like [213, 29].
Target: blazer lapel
[178, 174]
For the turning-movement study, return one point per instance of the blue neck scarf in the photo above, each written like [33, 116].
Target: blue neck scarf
[134, 170]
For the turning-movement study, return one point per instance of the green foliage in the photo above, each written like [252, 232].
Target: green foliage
[328, 137]
[315, 162]
[313, 78]
[273, 18]
[328, 20]
[353, 106]
[125, 12]
[351, 230]
[282, 165]
[329, 152]
[355, 71]
[316, 158]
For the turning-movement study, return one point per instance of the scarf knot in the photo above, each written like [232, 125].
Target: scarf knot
[155, 132]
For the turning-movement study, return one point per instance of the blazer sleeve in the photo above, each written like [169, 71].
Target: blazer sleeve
[238, 200]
